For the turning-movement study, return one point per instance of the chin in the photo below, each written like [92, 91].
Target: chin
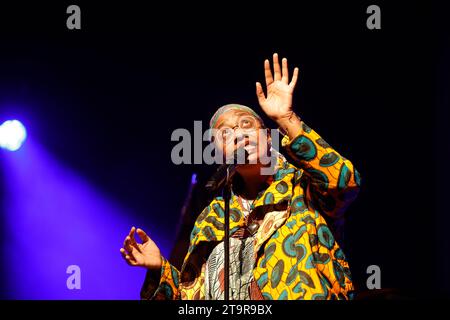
[248, 167]
[253, 159]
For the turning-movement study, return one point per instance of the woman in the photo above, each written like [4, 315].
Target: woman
[281, 246]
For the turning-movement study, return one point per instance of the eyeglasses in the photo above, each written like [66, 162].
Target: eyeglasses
[245, 123]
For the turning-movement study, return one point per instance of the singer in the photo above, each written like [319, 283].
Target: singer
[284, 225]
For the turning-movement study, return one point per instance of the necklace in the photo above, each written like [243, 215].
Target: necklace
[251, 226]
[246, 205]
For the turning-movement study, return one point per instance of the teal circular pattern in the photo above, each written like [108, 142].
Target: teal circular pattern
[321, 258]
[269, 198]
[263, 280]
[306, 279]
[344, 177]
[267, 296]
[282, 187]
[277, 272]
[329, 159]
[298, 289]
[289, 246]
[322, 143]
[310, 263]
[339, 254]
[268, 252]
[218, 210]
[283, 295]
[298, 205]
[339, 272]
[281, 173]
[301, 252]
[216, 223]
[235, 214]
[326, 238]
[318, 296]
[234, 229]
[275, 235]
[194, 232]
[319, 179]
[292, 275]
[209, 233]
[300, 232]
[304, 148]
[306, 128]
[308, 219]
[204, 214]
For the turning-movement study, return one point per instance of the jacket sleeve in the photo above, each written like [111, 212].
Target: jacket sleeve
[161, 284]
[330, 181]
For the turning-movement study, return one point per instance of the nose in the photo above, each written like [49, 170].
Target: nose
[237, 131]
[239, 135]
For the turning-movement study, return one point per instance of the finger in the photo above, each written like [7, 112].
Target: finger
[132, 252]
[123, 252]
[129, 260]
[127, 244]
[285, 71]
[131, 235]
[276, 67]
[294, 79]
[142, 235]
[133, 239]
[268, 73]
[260, 93]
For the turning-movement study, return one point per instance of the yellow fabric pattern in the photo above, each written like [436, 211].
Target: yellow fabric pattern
[298, 256]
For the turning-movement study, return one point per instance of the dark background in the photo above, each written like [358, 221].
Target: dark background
[105, 100]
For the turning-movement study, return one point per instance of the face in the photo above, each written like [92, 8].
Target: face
[239, 129]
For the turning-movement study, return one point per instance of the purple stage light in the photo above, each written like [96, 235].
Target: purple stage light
[58, 224]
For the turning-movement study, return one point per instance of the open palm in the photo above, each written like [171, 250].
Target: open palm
[277, 104]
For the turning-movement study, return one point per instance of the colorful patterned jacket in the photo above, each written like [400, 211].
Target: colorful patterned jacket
[297, 255]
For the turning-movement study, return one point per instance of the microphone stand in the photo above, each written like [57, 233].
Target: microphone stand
[226, 198]
[223, 179]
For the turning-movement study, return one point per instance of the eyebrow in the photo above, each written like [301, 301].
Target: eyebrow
[224, 123]
[238, 113]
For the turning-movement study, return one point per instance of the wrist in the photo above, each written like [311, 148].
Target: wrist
[156, 267]
[290, 125]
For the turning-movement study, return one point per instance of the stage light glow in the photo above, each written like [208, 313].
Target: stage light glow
[12, 135]
[55, 218]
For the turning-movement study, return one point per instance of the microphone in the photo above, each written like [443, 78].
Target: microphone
[226, 171]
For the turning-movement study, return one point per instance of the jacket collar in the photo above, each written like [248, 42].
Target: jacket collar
[210, 227]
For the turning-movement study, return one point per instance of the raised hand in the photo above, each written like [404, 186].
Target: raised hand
[145, 254]
[277, 103]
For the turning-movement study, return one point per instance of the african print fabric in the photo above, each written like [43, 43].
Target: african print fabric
[296, 254]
